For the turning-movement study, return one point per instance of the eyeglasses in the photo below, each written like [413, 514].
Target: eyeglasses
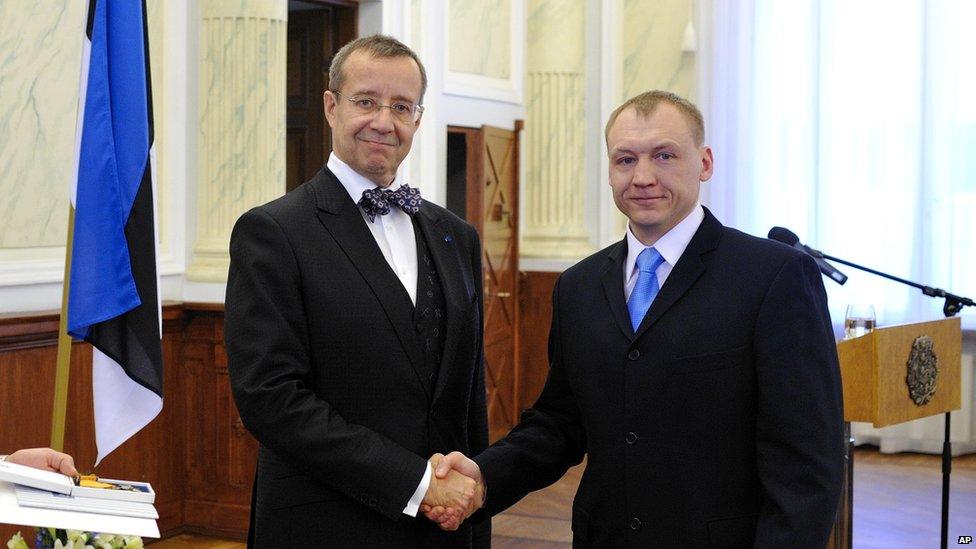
[404, 112]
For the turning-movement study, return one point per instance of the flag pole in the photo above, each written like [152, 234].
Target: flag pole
[59, 412]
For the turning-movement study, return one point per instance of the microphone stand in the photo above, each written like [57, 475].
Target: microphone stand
[953, 304]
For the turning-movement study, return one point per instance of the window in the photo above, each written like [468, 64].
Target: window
[854, 125]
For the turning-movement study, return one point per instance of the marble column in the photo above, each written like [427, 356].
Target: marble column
[241, 148]
[655, 55]
[554, 178]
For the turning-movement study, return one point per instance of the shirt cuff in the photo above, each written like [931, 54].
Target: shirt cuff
[418, 496]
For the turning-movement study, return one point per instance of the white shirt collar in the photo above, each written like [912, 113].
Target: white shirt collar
[671, 245]
[354, 182]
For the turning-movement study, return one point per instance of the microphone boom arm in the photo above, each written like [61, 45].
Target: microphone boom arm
[953, 303]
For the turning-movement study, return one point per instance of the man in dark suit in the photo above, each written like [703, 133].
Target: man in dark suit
[354, 331]
[693, 364]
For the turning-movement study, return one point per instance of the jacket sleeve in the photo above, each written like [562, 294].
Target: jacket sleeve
[269, 365]
[478, 407]
[548, 441]
[477, 428]
[799, 439]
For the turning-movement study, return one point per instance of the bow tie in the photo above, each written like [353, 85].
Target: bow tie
[377, 201]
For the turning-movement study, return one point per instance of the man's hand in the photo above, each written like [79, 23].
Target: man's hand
[445, 467]
[46, 459]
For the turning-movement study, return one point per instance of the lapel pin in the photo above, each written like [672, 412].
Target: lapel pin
[448, 238]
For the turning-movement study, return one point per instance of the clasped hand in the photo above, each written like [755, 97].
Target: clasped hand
[456, 490]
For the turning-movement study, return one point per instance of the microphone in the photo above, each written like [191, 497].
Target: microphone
[788, 237]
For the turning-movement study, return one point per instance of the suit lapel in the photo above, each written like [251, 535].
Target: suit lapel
[613, 288]
[340, 216]
[443, 247]
[689, 268]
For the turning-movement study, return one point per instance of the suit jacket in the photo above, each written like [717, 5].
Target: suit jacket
[326, 367]
[718, 424]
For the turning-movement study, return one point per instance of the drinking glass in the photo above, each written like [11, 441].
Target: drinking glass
[859, 320]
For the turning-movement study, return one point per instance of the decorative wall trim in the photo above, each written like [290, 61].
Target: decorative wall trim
[31, 265]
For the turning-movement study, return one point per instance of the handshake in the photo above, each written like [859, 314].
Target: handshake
[456, 490]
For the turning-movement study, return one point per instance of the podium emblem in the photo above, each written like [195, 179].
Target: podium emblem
[923, 369]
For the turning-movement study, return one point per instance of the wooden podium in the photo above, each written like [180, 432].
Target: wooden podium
[874, 373]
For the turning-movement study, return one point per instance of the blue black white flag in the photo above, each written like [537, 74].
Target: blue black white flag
[113, 300]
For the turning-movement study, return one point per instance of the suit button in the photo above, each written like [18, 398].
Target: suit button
[635, 523]
[631, 437]
[634, 354]
[420, 327]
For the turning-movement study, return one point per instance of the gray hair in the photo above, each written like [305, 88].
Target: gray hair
[377, 45]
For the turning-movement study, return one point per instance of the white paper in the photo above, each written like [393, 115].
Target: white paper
[42, 499]
[12, 513]
[35, 478]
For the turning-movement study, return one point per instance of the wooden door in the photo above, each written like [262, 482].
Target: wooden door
[483, 187]
[499, 237]
[315, 34]
[307, 141]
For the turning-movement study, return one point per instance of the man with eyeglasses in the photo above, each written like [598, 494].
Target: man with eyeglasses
[354, 331]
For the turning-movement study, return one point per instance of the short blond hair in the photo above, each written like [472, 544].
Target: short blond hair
[646, 103]
[376, 45]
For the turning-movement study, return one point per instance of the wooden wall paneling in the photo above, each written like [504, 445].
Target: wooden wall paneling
[220, 454]
[535, 315]
[154, 454]
[27, 365]
[28, 353]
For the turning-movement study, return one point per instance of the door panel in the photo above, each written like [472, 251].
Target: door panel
[307, 141]
[483, 189]
[500, 265]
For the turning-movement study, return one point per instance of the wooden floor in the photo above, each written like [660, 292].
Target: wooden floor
[897, 503]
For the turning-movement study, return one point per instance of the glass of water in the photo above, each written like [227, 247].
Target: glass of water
[859, 320]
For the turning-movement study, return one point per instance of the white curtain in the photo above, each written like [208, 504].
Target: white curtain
[853, 123]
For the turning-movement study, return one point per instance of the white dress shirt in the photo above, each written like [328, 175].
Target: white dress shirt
[671, 245]
[394, 234]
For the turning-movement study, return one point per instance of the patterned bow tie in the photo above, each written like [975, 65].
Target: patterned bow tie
[377, 201]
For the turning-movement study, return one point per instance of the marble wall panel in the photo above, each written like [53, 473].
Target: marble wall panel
[40, 64]
[480, 37]
[652, 54]
[555, 36]
[157, 25]
[40, 69]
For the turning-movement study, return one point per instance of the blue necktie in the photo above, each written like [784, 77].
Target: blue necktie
[646, 288]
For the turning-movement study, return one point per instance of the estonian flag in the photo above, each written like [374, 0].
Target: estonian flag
[113, 300]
